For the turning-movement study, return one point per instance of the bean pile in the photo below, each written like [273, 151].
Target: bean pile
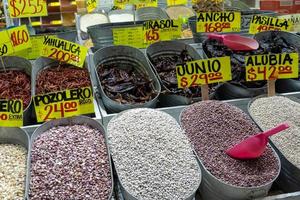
[152, 156]
[15, 84]
[213, 127]
[62, 77]
[70, 162]
[12, 171]
[269, 112]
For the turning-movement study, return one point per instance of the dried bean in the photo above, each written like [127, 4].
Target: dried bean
[213, 127]
[269, 112]
[70, 162]
[12, 171]
[153, 157]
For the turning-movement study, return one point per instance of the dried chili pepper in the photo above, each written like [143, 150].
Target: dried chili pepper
[15, 84]
[126, 85]
[62, 77]
[208, 5]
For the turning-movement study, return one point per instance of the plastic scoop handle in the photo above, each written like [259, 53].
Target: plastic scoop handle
[275, 130]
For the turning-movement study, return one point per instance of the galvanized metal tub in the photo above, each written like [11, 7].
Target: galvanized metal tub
[20, 137]
[284, 85]
[102, 35]
[212, 188]
[39, 65]
[150, 13]
[120, 12]
[289, 178]
[125, 55]
[126, 195]
[166, 48]
[81, 120]
[18, 63]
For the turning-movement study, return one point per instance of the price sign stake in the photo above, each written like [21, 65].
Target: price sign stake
[64, 51]
[204, 72]
[27, 8]
[260, 23]
[208, 22]
[11, 113]
[271, 67]
[62, 104]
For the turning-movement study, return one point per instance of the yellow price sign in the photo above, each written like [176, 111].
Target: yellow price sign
[65, 103]
[208, 22]
[91, 5]
[176, 2]
[132, 36]
[199, 72]
[27, 8]
[294, 19]
[14, 40]
[261, 23]
[161, 30]
[272, 66]
[138, 3]
[64, 51]
[11, 113]
[35, 51]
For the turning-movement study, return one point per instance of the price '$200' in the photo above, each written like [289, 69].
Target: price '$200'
[62, 104]
[199, 72]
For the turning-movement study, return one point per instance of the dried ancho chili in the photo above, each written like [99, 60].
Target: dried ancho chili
[15, 84]
[126, 85]
[62, 77]
[208, 5]
[165, 65]
[273, 44]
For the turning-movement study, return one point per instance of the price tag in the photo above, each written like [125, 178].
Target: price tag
[11, 113]
[35, 51]
[132, 36]
[294, 19]
[265, 23]
[218, 22]
[91, 5]
[14, 40]
[64, 51]
[161, 30]
[176, 2]
[199, 72]
[62, 104]
[27, 8]
[138, 3]
[271, 66]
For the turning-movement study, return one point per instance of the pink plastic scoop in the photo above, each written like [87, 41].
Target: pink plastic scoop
[254, 146]
[236, 42]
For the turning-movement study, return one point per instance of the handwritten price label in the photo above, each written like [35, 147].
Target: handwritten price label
[294, 19]
[14, 40]
[161, 30]
[265, 23]
[27, 8]
[64, 51]
[271, 66]
[11, 113]
[132, 36]
[62, 104]
[176, 2]
[138, 3]
[218, 22]
[201, 72]
[35, 51]
[91, 5]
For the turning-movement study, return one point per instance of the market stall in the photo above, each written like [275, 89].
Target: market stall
[144, 99]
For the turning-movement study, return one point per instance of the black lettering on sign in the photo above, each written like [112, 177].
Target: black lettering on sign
[161, 24]
[270, 21]
[73, 94]
[216, 16]
[13, 106]
[199, 67]
[271, 59]
[62, 44]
